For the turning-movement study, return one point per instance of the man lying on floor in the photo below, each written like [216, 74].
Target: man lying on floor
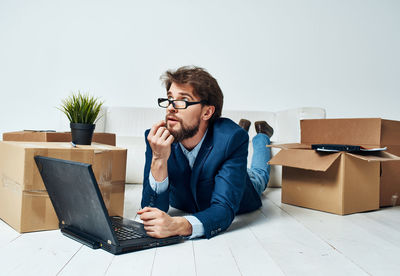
[196, 161]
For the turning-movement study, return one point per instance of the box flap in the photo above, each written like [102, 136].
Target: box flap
[290, 146]
[376, 156]
[304, 159]
[390, 132]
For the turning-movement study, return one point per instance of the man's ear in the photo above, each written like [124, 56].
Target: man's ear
[208, 111]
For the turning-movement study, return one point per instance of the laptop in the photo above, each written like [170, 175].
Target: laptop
[82, 214]
[347, 148]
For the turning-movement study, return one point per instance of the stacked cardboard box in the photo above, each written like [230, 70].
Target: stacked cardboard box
[24, 202]
[342, 183]
[46, 136]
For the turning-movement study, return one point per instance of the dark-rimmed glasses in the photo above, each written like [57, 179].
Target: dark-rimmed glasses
[177, 104]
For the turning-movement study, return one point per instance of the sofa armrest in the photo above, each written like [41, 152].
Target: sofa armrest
[288, 131]
[135, 160]
[288, 122]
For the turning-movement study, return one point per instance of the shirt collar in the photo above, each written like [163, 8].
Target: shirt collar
[193, 153]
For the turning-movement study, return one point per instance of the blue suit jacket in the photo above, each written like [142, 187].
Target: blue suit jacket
[218, 186]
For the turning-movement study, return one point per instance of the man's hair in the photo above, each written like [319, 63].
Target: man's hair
[204, 86]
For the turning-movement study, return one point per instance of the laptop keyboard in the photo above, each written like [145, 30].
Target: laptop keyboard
[125, 233]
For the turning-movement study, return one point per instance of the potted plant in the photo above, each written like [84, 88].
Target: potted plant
[82, 111]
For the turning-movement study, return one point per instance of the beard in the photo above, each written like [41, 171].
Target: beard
[185, 132]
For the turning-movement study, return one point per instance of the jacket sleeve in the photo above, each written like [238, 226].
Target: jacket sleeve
[149, 196]
[230, 183]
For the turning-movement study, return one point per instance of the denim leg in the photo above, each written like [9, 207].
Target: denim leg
[260, 169]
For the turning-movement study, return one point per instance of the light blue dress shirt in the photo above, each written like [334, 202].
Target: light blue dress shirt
[160, 187]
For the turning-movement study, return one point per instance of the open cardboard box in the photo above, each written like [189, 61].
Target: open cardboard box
[367, 132]
[340, 183]
[24, 202]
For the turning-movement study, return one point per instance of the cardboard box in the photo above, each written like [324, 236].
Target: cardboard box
[367, 132]
[43, 136]
[24, 202]
[340, 183]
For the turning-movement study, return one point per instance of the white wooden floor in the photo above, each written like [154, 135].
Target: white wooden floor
[278, 239]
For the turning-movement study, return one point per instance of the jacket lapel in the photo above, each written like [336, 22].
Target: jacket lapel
[199, 163]
[180, 158]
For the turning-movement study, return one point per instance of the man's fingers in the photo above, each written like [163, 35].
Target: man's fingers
[149, 213]
[170, 139]
[141, 211]
[165, 134]
[160, 131]
[153, 232]
[160, 123]
[149, 216]
[153, 130]
[149, 228]
[155, 127]
[146, 209]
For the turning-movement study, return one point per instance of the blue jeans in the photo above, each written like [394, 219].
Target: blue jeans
[260, 169]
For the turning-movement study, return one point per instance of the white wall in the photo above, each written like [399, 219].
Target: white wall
[342, 55]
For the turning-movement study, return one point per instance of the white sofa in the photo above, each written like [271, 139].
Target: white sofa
[130, 123]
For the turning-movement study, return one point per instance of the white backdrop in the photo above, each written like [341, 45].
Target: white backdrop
[343, 55]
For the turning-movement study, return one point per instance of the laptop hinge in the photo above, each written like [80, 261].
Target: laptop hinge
[80, 237]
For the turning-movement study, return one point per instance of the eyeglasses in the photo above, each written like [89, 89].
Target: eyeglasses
[177, 104]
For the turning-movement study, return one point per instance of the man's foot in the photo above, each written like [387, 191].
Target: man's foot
[264, 127]
[245, 124]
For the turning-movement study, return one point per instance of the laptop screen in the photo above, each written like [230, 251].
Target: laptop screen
[76, 197]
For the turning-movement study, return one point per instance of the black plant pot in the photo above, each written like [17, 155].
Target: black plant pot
[82, 133]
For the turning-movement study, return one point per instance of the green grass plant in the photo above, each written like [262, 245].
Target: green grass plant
[81, 108]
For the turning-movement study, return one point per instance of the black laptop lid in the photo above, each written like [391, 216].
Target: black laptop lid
[76, 197]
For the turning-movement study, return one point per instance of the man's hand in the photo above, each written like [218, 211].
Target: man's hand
[159, 224]
[160, 140]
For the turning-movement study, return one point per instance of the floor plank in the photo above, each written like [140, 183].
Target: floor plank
[134, 263]
[175, 260]
[88, 262]
[296, 249]
[39, 253]
[362, 238]
[250, 256]
[214, 257]
[7, 234]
